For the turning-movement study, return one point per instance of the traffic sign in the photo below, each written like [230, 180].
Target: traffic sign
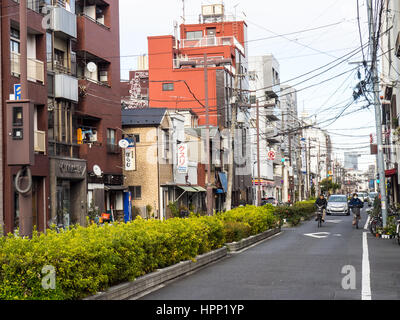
[17, 92]
[271, 155]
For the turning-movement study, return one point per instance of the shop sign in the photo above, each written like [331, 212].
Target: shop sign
[182, 158]
[70, 169]
[130, 158]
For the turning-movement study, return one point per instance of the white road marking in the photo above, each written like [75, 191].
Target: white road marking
[367, 223]
[318, 235]
[333, 221]
[366, 280]
[337, 235]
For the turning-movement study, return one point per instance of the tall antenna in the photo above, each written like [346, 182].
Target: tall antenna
[183, 11]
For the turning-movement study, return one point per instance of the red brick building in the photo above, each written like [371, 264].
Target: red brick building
[74, 84]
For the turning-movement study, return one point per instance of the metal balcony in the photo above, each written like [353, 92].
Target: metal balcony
[66, 87]
[63, 21]
[40, 141]
[35, 68]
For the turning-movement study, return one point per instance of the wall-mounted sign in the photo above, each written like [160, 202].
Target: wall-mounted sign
[130, 158]
[182, 158]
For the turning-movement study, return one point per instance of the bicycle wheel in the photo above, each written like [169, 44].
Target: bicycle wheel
[372, 226]
[398, 233]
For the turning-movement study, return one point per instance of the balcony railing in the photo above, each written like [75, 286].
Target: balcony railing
[35, 68]
[40, 141]
[212, 42]
[193, 61]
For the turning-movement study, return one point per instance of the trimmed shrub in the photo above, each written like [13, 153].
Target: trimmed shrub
[89, 260]
[293, 214]
[236, 231]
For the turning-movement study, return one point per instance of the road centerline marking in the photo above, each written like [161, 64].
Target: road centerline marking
[366, 279]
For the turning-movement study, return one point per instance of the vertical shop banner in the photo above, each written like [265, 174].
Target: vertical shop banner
[130, 158]
[182, 158]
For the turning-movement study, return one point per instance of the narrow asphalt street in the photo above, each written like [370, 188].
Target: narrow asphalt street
[301, 263]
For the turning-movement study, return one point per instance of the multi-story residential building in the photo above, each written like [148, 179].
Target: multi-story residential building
[98, 114]
[264, 85]
[74, 83]
[177, 80]
[291, 141]
[390, 96]
[319, 155]
[37, 91]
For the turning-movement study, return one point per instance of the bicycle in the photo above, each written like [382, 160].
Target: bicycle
[398, 230]
[319, 215]
[377, 222]
[356, 215]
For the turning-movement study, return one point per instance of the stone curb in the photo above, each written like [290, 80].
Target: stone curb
[151, 280]
[237, 246]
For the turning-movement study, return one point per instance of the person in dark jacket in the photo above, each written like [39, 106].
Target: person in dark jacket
[321, 201]
[355, 204]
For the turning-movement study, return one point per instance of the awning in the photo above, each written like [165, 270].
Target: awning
[188, 189]
[200, 189]
[224, 180]
[390, 172]
[115, 188]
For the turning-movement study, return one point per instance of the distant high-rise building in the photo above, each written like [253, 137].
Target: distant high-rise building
[351, 160]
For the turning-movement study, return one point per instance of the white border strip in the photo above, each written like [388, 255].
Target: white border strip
[366, 280]
[367, 223]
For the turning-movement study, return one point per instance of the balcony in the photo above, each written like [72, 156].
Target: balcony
[64, 22]
[212, 42]
[66, 87]
[40, 141]
[35, 68]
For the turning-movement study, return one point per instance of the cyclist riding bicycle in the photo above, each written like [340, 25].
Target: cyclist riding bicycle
[355, 204]
[321, 202]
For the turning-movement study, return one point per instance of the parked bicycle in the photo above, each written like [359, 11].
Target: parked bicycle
[376, 222]
[398, 230]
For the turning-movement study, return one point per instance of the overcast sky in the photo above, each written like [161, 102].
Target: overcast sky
[299, 53]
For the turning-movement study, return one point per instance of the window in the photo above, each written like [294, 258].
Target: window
[136, 192]
[111, 136]
[193, 35]
[168, 87]
[166, 144]
[58, 57]
[14, 41]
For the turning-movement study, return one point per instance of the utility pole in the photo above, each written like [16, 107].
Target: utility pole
[228, 203]
[1, 143]
[25, 199]
[258, 156]
[309, 169]
[209, 189]
[378, 118]
[318, 169]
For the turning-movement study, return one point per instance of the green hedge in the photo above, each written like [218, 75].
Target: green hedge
[89, 260]
[294, 214]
